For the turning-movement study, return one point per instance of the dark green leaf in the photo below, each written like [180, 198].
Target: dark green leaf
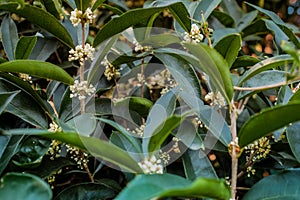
[296, 96]
[6, 98]
[113, 9]
[53, 7]
[233, 9]
[24, 47]
[229, 47]
[181, 15]
[21, 186]
[293, 136]
[43, 48]
[268, 120]
[8, 149]
[98, 148]
[196, 164]
[145, 187]
[246, 20]
[37, 68]
[37, 16]
[86, 191]
[161, 40]
[224, 18]
[244, 61]
[266, 64]
[9, 34]
[284, 186]
[126, 20]
[140, 105]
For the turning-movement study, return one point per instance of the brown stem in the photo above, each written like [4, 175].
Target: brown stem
[142, 75]
[89, 172]
[234, 156]
[81, 70]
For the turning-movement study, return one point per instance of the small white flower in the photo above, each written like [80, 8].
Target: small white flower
[25, 77]
[138, 47]
[151, 165]
[82, 53]
[77, 16]
[110, 70]
[216, 99]
[194, 36]
[81, 90]
[53, 127]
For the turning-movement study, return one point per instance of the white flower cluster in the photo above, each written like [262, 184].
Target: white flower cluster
[215, 99]
[81, 89]
[138, 131]
[151, 165]
[53, 127]
[110, 70]
[82, 53]
[194, 36]
[80, 157]
[25, 77]
[138, 47]
[77, 16]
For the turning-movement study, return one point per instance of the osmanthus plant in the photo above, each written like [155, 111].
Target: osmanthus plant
[171, 100]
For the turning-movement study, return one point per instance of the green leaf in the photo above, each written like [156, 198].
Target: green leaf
[126, 134]
[86, 191]
[293, 136]
[140, 105]
[196, 164]
[284, 185]
[27, 104]
[264, 80]
[161, 40]
[244, 61]
[268, 120]
[181, 15]
[126, 20]
[145, 187]
[160, 134]
[278, 33]
[8, 149]
[9, 36]
[21, 186]
[43, 48]
[205, 7]
[296, 96]
[97, 4]
[246, 20]
[6, 98]
[183, 73]
[25, 46]
[82, 4]
[224, 18]
[53, 7]
[37, 68]
[229, 47]
[233, 9]
[266, 64]
[37, 16]
[281, 25]
[214, 65]
[98, 148]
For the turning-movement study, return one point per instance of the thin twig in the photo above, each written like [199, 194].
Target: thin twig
[260, 88]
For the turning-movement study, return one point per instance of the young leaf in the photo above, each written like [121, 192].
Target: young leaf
[270, 119]
[10, 36]
[24, 47]
[24, 186]
[145, 187]
[229, 47]
[37, 68]
[285, 185]
[41, 18]
[266, 64]
[98, 148]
